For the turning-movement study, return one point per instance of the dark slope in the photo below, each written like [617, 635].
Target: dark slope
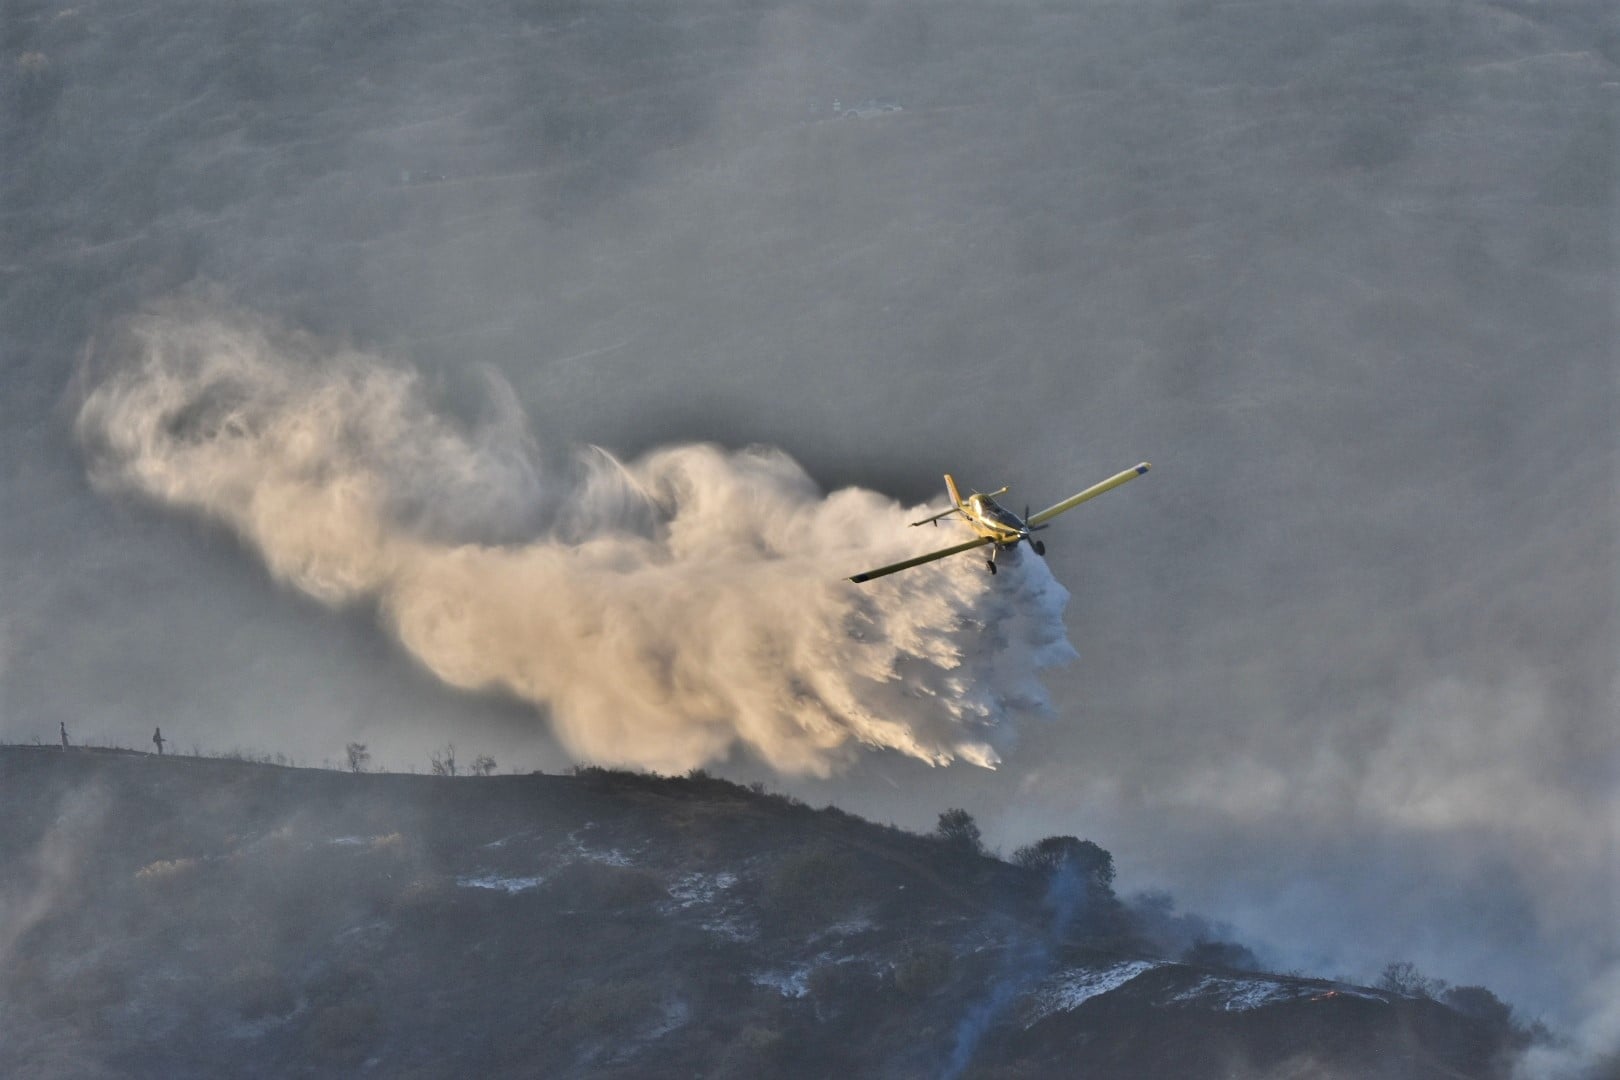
[191, 917]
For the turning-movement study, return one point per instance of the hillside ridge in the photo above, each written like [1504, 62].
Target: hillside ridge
[191, 916]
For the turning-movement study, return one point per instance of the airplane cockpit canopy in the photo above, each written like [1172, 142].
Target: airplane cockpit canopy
[991, 510]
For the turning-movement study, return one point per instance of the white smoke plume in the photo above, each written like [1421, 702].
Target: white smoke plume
[662, 612]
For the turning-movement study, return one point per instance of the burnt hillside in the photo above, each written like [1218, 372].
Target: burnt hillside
[196, 917]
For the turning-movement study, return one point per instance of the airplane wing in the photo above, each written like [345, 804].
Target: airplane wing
[1090, 493]
[936, 517]
[884, 571]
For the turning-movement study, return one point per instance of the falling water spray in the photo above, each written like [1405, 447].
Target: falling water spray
[661, 612]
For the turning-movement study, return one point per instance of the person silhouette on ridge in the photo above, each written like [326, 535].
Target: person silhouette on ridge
[158, 740]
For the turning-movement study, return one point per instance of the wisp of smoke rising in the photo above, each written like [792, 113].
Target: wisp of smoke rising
[663, 612]
[1024, 963]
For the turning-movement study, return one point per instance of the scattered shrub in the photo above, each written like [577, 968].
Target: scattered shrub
[756, 1051]
[959, 831]
[586, 885]
[600, 776]
[1480, 1003]
[425, 893]
[811, 886]
[608, 1008]
[1225, 955]
[1404, 978]
[836, 986]
[923, 969]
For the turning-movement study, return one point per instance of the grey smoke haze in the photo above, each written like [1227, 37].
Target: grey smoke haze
[1344, 273]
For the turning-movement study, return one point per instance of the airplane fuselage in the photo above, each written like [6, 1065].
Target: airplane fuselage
[993, 521]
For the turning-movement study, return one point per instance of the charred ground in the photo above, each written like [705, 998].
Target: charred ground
[197, 917]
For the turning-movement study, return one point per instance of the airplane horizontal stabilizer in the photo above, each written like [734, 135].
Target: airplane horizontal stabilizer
[936, 517]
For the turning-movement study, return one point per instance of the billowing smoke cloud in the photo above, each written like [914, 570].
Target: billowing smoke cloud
[663, 611]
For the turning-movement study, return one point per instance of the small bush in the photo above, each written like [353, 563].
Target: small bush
[608, 1008]
[603, 778]
[425, 894]
[755, 1051]
[592, 885]
[810, 887]
[1405, 979]
[923, 969]
[1224, 955]
[1481, 1004]
[838, 986]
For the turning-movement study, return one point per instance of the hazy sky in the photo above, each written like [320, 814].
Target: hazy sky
[1344, 273]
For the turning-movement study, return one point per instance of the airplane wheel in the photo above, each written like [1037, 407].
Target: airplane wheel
[1040, 548]
[991, 564]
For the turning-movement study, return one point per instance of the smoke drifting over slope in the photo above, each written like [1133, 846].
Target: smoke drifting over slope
[663, 611]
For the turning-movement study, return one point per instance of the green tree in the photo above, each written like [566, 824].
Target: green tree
[1226, 955]
[1480, 1003]
[958, 829]
[1092, 863]
[1403, 977]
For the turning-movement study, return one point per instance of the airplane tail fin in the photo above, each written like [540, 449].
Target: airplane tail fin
[950, 486]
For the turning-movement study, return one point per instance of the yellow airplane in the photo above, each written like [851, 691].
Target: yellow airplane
[997, 525]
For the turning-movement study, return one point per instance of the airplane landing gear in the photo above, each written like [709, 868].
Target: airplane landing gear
[991, 563]
[1040, 548]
